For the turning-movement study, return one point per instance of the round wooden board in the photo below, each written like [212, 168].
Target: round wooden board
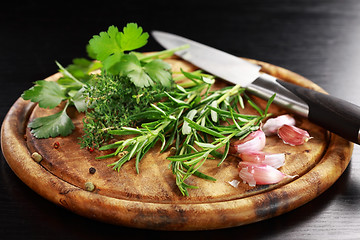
[150, 199]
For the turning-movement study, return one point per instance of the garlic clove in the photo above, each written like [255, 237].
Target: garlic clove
[292, 135]
[260, 174]
[252, 156]
[275, 160]
[255, 141]
[272, 125]
[247, 176]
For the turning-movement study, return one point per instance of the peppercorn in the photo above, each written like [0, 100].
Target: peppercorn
[90, 149]
[56, 145]
[92, 170]
[89, 186]
[36, 156]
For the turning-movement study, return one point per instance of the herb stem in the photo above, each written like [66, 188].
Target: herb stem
[233, 91]
[68, 74]
[165, 53]
[182, 77]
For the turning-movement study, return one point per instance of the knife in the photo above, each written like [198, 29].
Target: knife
[334, 114]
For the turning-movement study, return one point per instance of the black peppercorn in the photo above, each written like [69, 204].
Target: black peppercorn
[92, 170]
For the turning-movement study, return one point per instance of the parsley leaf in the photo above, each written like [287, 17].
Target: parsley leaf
[130, 66]
[159, 71]
[48, 94]
[81, 68]
[109, 46]
[132, 37]
[53, 125]
[144, 74]
[79, 99]
[106, 44]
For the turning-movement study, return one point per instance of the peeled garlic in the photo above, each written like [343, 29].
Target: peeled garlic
[293, 135]
[260, 174]
[272, 125]
[275, 160]
[255, 141]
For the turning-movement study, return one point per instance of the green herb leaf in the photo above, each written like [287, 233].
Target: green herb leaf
[106, 44]
[109, 46]
[202, 128]
[186, 157]
[132, 37]
[200, 174]
[125, 131]
[271, 99]
[204, 145]
[176, 100]
[159, 71]
[79, 100]
[111, 146]
[47, 93]
[52, 126]
[150, 114]
[82, 67]
[224, 155]
[131, 67]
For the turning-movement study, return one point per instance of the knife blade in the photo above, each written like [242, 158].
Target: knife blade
[334, 114]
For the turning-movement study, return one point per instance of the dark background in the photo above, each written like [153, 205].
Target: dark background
[317, 39]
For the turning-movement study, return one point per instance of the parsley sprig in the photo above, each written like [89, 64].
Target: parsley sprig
[110, 48]
[49, 94]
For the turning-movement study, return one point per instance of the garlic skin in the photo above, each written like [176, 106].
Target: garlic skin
[235, 183]
[275, 160]
[255, 141]
[260, 174]
[272, 125]
[292, 135]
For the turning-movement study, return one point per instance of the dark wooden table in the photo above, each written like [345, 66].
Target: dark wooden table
[317, 39]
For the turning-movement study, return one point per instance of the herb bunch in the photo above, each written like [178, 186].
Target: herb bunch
[191, 121]
[135, 94]
[114, 53]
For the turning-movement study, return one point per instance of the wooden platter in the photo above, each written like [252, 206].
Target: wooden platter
[151, 199]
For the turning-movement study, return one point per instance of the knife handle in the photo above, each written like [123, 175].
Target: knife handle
[334, 114]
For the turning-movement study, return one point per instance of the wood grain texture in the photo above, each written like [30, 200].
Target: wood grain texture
[150, 199]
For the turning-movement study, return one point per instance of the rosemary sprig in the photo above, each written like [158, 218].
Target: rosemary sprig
[191, 121]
